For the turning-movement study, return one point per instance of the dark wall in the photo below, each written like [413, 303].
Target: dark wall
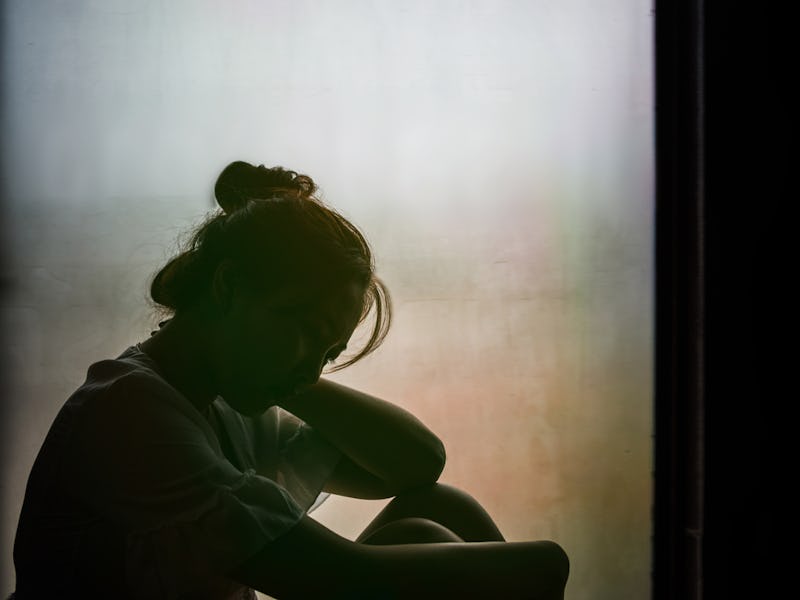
[749, 197]
[725, 305]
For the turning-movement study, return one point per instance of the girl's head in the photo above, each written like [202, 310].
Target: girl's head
[282, 278]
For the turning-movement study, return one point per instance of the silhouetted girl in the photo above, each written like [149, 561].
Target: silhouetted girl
[186, 466]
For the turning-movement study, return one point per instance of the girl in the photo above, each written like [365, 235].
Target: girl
[186, 467]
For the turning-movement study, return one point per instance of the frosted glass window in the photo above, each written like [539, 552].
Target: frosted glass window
[498, 155]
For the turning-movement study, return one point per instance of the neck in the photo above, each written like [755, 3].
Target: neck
[180, 351]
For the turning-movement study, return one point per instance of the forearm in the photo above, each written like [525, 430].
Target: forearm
[378, 436]
[311, 561]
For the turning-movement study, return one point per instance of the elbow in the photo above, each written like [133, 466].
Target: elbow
[438, 460]
[426, 471]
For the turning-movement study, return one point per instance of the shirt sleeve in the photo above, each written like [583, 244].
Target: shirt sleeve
[296, 456]
[145, 459]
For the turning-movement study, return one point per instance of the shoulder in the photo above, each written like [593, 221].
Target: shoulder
[136, 434]
[127, 386]
[125, 405]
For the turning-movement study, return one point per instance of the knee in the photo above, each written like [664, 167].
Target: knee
[411, 530]
[558, 562]
[437, 492]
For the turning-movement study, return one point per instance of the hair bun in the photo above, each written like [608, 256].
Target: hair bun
[241, 181]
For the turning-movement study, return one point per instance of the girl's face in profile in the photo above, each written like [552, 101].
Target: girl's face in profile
[279, 342]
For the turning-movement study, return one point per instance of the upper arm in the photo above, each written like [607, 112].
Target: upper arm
[385, 449]
[349, 479]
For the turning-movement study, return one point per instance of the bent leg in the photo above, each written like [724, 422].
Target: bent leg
[312, 561]
[447, 505]
[410, 530]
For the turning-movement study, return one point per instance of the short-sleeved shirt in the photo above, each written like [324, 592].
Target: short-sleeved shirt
[135, 493]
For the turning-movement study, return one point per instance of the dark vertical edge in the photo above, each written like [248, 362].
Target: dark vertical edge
[5, 270]
[751, 265]
[679, 319]
[5, 266]
[726, 137]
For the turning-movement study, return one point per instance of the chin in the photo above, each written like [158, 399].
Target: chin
[251, 403]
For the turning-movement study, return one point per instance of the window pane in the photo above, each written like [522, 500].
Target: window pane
[498, 155]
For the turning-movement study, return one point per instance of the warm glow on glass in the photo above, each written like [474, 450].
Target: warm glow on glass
[498, 156]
